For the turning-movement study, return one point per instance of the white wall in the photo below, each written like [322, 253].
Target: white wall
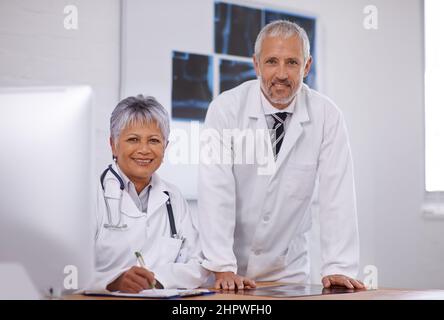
[375, 76]
[36, 49]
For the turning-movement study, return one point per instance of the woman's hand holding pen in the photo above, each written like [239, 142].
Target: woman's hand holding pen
[134, 280]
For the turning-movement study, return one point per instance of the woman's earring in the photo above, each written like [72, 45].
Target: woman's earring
[114, 158]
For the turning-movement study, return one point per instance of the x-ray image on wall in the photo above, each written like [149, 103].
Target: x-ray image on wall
[236, 28]
[192, 85]
[233, 73]
[309, 25]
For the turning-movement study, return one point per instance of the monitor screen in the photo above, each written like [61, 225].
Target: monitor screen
[46, 137]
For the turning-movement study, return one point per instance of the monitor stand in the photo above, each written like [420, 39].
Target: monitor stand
[16, 283]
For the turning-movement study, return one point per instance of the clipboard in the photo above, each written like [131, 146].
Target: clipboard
[152, 293]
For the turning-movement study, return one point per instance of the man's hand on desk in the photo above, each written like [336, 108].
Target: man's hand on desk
[341, 280]
[231, 281]
[134, 280]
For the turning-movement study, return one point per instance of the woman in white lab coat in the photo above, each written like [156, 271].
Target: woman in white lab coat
[139, 212]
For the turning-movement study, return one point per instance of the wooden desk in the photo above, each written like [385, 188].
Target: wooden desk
[380, 294]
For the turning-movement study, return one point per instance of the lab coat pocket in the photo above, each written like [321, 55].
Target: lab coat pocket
[300, 180]
[169, 249]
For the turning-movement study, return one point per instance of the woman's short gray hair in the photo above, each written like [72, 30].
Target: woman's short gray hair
[139, 109]
[285, 29]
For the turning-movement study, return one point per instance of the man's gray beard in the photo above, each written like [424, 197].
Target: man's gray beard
[287, 100]
[283, 100]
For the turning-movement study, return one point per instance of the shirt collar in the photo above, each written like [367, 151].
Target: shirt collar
[269, 109]
[129, 185]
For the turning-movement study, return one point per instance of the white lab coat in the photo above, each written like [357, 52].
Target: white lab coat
[256, 224]
[176, 263]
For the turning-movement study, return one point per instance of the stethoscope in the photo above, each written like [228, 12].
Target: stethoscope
[119, 226]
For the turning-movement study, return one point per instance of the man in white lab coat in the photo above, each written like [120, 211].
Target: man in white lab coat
[254, 215]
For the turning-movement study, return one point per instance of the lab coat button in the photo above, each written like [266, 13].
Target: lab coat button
[257, 252]
[266, 218]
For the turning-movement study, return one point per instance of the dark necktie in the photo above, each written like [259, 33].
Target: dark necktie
[278, 127]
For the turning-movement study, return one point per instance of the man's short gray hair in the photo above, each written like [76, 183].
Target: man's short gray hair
[285, 29]
[139, 109]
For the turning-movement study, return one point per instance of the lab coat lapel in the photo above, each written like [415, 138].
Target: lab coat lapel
[254, 107]
[129, 208]
[295, 130]
[156, 199]
[157, 196]
[257, 120]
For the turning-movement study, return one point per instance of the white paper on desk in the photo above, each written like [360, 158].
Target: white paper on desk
[153, 293]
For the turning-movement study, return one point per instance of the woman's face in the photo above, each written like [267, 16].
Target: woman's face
[139, 150]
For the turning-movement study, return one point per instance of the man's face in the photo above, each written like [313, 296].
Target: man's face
[281, 69]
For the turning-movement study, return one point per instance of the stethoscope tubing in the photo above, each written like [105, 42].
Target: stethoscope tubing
[119, 226]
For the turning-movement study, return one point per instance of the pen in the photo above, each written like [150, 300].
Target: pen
[142, 263]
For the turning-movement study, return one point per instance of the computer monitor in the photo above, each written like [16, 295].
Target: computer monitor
[46, 192]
